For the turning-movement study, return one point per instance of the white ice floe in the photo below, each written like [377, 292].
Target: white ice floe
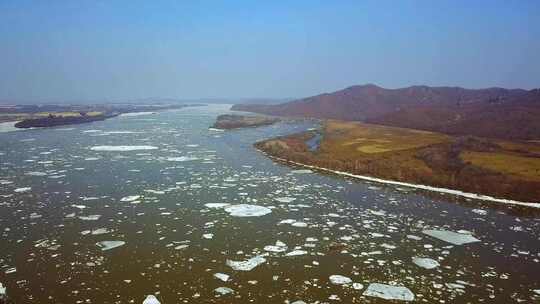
[151, 299]
[536, 291]
[216, 205]
[122, 148]
[108, 245]
[130, 198]
[302, 171]
[2, 291]
[426, 263]
[285, 199]
[357, 286]
[245, 210]
[223, 290]
[208, 236]
[479, 211]
[246, 265]
[22, 189]
[452, 237]
[296, 253]
[279, 247]
[221, 276]
[389, 292]
[93, 217]
[337, 279]
[181, 159]
[136, 114]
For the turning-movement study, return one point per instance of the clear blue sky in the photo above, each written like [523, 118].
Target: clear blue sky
[93, 50]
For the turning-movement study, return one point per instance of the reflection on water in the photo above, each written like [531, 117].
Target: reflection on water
[205, 218]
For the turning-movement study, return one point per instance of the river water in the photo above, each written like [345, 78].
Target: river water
[112, 211]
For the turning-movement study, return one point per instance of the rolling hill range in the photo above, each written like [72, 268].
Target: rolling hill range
[492, 112]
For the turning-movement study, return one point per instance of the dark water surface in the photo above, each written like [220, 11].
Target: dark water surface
[154, 202]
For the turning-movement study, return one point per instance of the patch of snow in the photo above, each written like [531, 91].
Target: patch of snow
[151, 299]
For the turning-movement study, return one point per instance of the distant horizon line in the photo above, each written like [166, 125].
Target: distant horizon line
[52, 101]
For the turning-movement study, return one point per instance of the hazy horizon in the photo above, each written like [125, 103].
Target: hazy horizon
[99, 51]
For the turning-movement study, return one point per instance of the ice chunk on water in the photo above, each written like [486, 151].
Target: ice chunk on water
[246, 265]
[452, 237]
[2, 291]
[221, 276]
[122, 148]
[389, 292]
[108, 245]
[181, 159]
[216, 205]
[130, 198]
[337, 279]
[223, 290]
[285, 199]
[151, 300]
[93, 217]
[296, 253]
[279, 247]
[244, 210]
[22, 190]
[426, 263]
[302, 171]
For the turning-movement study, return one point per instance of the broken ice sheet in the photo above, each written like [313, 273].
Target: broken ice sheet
[108, 245]
[337, 279]
[245, 210]
[221, 276]
[389, 292]
[246, 265]
[451, 237]
[223, 290]
[121, 148]
[426, 263]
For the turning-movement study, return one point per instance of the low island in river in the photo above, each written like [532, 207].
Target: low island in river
[235, 121]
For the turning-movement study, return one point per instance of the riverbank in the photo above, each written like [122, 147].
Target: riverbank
[469, 167]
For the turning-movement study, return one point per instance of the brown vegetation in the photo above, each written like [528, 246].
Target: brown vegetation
[498, 168]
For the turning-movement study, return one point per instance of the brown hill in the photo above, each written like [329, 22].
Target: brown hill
[492, 112]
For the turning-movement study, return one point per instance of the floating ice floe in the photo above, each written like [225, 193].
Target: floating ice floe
[279, 247]
[221, 276]
[2, 291]
[122, 148]
[208, 236]
[151, 299]
[296, 253]
[108, 245]
[302, 171]
[223, 290]
[426, 263]
[337, 279]
[22, 189]
[451, 237]
[130, 198]
[389, 292]
[479, 211]
[216, 205]
[536, 291]
[285, 199]
[181, 159]
[246, 265]
[136, 114]
[93, 217]
[245, 210]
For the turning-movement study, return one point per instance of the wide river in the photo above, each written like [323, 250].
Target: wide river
[159, 204]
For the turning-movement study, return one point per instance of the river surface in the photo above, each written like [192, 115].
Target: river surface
[112, 211]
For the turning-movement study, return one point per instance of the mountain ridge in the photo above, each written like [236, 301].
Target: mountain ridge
[491, 112]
